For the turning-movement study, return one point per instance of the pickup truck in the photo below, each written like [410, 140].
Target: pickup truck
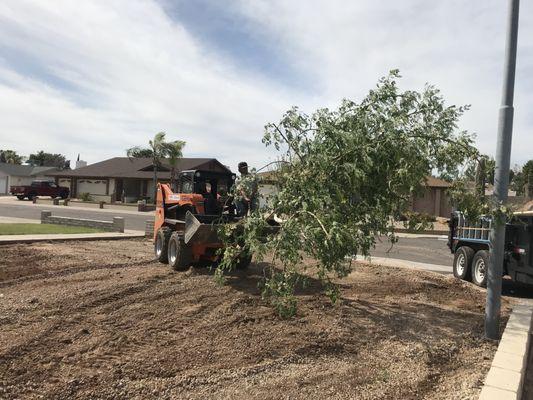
[40, 188]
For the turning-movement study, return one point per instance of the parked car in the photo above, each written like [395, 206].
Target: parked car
[40, 188]
[470, 242]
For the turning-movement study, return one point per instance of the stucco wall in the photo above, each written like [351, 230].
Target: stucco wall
[265, 190]
[433, 201]
[425, 202]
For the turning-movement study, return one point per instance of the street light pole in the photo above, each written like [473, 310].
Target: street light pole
[501, 178]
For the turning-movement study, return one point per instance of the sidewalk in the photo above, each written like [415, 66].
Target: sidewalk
[128, 234]
[11, 220]
[396, 262]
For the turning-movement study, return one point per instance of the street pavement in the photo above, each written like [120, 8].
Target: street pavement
[417, 248]
[11, 207]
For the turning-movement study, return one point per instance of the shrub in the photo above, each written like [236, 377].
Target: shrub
[85, 197]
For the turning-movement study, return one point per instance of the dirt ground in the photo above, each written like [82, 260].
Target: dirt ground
[102, 320]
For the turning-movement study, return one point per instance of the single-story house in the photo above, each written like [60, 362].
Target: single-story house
[126, 179]
[19, 175]
[433, 200]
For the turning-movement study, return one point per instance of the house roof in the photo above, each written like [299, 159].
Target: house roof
[141, 168]
[25, 170]
[431, 181]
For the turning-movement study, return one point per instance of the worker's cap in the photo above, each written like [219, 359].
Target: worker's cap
[243, 164]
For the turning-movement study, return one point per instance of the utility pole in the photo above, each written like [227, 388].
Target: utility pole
[501, 178]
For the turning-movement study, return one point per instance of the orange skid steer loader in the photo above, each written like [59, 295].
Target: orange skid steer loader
[185, 229]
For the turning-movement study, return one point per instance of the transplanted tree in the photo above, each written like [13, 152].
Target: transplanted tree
[10, 157]
[158, 149]
[43, 159]
[343, 174]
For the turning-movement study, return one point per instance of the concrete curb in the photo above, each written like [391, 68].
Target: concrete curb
[428, 232]
[507, 373]
[396, 262]
[13, 239]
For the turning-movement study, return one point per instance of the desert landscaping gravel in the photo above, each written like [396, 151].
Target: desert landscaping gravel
[102, 320]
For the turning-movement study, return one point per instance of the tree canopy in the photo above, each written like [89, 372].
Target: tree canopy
[522, 177]
[344, 174]
[43, 159]
[10, 157]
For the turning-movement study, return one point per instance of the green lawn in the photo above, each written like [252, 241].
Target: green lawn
[35, 229]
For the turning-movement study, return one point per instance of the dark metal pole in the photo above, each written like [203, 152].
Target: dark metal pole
[501, 178]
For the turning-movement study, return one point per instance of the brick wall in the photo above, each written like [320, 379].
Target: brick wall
[117, 225]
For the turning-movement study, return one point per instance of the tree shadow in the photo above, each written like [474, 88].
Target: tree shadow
[249, 280]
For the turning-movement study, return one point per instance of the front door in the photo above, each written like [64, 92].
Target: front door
[119, 188]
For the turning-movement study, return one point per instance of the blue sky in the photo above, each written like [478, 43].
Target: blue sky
[97, 77]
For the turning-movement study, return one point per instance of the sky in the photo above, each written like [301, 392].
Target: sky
[96, 77]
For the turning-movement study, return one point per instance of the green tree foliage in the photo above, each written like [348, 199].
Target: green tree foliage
[43, 159]
[138, 152]
[523, 176]
[174, 152]
[343, 174]
[488, 166]
[158, 149]
[10, 157]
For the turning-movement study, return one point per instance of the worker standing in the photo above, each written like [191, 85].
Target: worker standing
[246, 189]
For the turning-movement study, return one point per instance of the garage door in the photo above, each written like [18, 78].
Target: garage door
[92, 186]
[3, 185]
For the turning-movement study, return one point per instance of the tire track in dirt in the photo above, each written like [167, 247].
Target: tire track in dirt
[76, 315]
[73, 270]
[149, 332]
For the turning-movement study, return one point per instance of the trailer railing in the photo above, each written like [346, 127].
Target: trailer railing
[472, 231]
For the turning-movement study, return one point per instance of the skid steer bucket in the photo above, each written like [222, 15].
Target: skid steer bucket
[201, 228]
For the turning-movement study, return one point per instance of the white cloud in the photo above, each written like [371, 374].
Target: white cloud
[130, 72]
[97, 77]
[456, 45]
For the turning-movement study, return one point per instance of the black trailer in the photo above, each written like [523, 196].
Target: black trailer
[469, 241]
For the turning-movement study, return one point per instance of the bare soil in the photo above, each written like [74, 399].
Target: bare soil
[102, 320]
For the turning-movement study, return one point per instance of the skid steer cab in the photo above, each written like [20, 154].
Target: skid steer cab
[186, 219]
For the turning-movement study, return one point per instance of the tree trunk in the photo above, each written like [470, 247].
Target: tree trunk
[481, 179]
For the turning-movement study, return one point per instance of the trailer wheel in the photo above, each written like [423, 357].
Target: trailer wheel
[31, 196]
[480, 266]
[161, 244]
[462, 262]
[179, 254]
[20, 197]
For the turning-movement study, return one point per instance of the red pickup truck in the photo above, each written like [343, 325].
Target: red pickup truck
[40, 188]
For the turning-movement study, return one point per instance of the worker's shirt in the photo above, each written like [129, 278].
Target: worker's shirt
[248, 185]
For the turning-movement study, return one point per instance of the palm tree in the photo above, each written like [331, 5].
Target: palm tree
[158, 149]
[174, 153]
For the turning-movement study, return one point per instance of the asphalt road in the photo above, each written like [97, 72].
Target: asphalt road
[422, 250]
[25, 209]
